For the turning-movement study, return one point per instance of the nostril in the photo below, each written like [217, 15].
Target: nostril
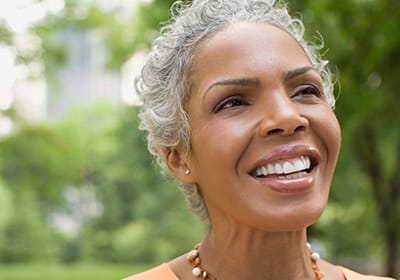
[275, 131]
[284, 131]
[300, 128]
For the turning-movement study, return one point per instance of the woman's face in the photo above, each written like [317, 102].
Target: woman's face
[264, 140]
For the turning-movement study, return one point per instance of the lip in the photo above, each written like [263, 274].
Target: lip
[288, 152]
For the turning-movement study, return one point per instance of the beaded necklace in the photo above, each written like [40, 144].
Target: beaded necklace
[198, 271]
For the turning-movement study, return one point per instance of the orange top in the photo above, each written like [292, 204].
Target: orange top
[351, 275]
[163, 272]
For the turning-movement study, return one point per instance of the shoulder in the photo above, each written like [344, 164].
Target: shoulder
[352, 275]
[162, 272]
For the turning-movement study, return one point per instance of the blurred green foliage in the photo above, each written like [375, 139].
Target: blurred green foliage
[47, 271]
[143, 217]
[6, 35]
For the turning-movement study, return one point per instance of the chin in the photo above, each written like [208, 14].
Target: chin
[295, 219]
[306, 219]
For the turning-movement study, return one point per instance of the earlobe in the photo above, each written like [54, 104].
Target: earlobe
[177, 163]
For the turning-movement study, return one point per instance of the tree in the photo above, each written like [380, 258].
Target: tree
[36, 163]
[5, 34]
[26, 237]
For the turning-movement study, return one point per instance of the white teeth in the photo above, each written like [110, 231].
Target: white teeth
[261, 171]
[258, 172]
[270, 168]
[299, 164]
[264, 170]
[293, 176]
[290, 169]
[278, 169]
[306, 161]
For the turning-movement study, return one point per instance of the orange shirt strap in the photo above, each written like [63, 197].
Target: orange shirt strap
[161, 272]
[351, 275]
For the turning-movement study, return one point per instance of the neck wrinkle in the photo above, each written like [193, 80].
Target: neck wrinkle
[250, 254]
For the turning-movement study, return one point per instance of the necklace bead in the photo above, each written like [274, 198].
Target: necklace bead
[198, 271]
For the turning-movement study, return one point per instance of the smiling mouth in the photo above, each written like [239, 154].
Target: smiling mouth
[293, 168]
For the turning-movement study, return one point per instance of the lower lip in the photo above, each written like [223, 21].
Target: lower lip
[298, 185]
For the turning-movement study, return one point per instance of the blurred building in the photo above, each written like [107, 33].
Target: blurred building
[85, 78]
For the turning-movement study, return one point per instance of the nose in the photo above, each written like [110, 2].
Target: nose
[282, 117]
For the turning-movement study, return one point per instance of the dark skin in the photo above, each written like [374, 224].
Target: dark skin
[256, 100]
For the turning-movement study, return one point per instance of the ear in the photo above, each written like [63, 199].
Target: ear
[177, 163]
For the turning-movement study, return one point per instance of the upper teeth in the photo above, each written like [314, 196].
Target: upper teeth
[284, 167]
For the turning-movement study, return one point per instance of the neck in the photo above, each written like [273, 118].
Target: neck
[251, 254]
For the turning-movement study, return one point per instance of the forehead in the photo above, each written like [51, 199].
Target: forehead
[245, 49]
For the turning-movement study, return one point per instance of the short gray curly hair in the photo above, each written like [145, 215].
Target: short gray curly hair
[163, 85]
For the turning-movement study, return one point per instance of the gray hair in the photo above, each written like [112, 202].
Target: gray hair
[163, 85]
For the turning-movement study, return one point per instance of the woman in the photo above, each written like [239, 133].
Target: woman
[238, 107]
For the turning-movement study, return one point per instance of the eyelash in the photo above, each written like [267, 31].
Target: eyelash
[230, 102]
[305, 90]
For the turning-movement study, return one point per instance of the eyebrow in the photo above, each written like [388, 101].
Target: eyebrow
[250, 82]
[297, 72]
[245, 82]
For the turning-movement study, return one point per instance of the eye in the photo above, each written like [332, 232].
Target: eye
[307, 91]
[234, 101]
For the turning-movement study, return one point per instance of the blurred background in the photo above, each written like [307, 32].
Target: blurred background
[80, 197]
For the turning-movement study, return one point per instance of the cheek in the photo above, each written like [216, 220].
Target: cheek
[328, 129]
[335, 133]
[222, 136]
[218, 146]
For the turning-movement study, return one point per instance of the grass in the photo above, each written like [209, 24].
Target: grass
[68, 272]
